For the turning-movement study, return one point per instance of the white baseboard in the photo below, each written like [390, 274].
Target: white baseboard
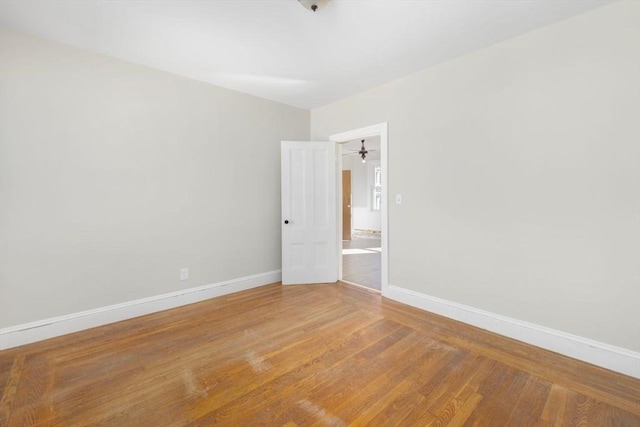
[26, 333]
[604, 355]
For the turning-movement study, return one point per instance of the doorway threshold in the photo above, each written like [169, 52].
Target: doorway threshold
[366, 288]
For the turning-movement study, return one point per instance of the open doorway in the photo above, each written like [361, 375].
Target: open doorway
[362, 214]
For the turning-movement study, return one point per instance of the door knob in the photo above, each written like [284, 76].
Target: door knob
[286, 221]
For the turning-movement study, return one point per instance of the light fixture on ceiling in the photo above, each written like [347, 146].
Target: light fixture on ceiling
[313, 5]
[363, 153]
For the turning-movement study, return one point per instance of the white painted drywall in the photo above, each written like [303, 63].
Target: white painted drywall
[520, 176]
[363, 216]
[114, 176]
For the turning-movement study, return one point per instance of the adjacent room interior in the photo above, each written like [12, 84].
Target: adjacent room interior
[488, 247]
[361, 213]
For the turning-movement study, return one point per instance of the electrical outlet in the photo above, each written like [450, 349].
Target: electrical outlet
[184, 273]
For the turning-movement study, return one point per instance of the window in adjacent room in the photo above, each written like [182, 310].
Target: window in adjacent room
[377, 187]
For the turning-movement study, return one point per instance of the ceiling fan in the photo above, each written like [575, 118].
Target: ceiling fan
[362, 152]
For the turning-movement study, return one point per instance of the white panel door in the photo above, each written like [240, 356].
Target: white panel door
[309, 218]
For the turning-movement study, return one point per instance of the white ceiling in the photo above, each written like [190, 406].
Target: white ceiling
[278, 50]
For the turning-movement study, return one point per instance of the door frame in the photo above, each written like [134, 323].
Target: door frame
[381, 130]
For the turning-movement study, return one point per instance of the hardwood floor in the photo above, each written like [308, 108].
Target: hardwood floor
[364, 266]
[304, 355]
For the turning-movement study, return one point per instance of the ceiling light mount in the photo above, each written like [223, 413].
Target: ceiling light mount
[313, 5]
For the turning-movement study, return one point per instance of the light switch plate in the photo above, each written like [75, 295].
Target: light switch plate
[398, 199]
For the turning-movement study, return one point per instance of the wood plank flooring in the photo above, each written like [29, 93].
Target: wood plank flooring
[363, 268]
[304, 355]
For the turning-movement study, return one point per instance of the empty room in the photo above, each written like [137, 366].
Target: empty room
[320, 212]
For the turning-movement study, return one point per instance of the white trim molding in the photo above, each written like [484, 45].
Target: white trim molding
[26, 333]
[381, 130]
[617, 359]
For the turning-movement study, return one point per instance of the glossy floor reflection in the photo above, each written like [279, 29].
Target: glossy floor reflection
[361, 260]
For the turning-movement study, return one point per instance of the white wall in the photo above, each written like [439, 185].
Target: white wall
[363, 215]
[520, 175]
[114, 176]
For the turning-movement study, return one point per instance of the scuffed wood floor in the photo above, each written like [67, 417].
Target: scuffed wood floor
[303, 355]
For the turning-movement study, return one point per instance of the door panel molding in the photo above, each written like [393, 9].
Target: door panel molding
[309, 225]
